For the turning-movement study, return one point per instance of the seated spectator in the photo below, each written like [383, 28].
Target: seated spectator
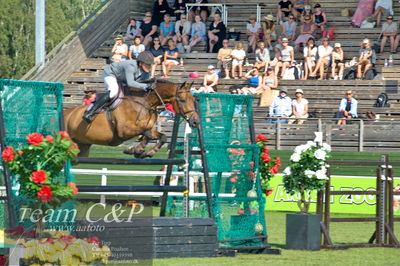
[284, 10]
[160, 9]
[320, 19]
[132, 30]
[167, 29]
[268, 31]
[119, 50]
[168, 114]
[254, 85]
[366, 59]
[382, 6]
[307, 12]
[347, 108]
[285, 58]
[365, 8]
[136, 48]
[289, 29]
[170, 58]
[307, 31]
[198, 33]
[262, 57]
[90, 97]
[158, 52]
[216, 33]
[298, 8]
[182, 31]
[253, 30]
[270, 85]
[299, 108]
[324, 58]
[202, 11]
[389, 31]
[281, 107]
[310, 57]
[277, 53]
[337, 61]
[179, 9]
[238, 55]
[148, 29]
[224, 58]
[210, 81]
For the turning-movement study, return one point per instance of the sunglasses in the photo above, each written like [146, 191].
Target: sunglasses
[156, 40]
[148, 16]
[349, 93]
[389, 19]
[291, 18]
[183, 17]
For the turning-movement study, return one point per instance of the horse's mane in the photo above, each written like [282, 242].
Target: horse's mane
[166, 81]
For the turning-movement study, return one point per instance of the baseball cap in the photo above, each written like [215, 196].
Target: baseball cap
[299, 91]
[285, 40]
[337, 45]
[366, 41]
[210, 67]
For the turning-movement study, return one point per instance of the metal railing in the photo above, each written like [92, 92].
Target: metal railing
[219, 7]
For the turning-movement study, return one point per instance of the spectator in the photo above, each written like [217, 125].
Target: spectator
[216, 33]
[347, 108]
[324, 58]
[307, 31]
[170, 58]
[270, 84]
[365, 8]
[136, 48]
[200, 10]
[132, 30]
[319, 17]
[299, 108]
[210, 81]
[277, 50]
[90, 97]
[254, 85]
[198, 32]
[310, 56]
[253, 30]
[167, 29]
[269, 33]
[307, 11]
[168, 114]
[262, 57]
[224, 58]
[289, 29]
[285, 58]
[381, 7]
[366, 59]
[119, 50]
[160, 8]
[337, 61]
[281, 107]
[182, 31]
[238, 55]
[389, 31]
[158, 52]
[298, 8]
[148, 29]
[179, 9]
[284, 10]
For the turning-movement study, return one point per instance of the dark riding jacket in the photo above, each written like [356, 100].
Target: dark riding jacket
[127, 72]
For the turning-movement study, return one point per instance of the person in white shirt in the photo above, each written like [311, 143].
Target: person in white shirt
[285, 57]
[262, 57]
[238, 55]
[299, 108]
[281, 107]
[310, 57]
[324, 58]
[253, 30]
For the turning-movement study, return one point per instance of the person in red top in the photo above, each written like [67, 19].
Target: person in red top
[168, 114]
[90, 97]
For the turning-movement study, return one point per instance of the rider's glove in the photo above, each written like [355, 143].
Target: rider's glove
[150, 87]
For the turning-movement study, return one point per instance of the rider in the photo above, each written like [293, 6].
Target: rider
[129, 72]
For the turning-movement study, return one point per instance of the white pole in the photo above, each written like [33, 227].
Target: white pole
[40, 32]
[103, 183]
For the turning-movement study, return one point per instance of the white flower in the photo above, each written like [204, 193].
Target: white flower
[287, 171]
[321, 174]
[311, 143]
[320, 154]
[295, 157]
[327, 147]
[299, 149]
[309, 173]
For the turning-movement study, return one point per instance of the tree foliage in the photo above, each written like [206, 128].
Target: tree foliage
[17, 30]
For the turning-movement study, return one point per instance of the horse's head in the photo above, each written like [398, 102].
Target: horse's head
[185, 105]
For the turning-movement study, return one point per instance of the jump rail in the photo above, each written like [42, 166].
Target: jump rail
[132, 188]
[129, 161]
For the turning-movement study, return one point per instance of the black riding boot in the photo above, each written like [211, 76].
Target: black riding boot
[98, 104]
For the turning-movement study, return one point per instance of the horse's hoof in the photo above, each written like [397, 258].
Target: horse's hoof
[146, 155]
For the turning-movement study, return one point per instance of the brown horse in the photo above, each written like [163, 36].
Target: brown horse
[135, 115]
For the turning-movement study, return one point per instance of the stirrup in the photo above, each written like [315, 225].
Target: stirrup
[88, 117]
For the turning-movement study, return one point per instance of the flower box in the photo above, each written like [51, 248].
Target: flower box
[303, 231]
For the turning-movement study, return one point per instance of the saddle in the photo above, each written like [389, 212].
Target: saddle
[113, 103]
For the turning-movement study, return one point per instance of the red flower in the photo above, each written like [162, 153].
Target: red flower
[233, 179]
[240, 211]
[93, 240]
[274, 169]
[39, 177]
[20, 152]
[265, 157]
[66, 239]
[35, 139]
[251, 165]
[269, 192]
[278, 162]
[8, 154]
[265, 149]
[45, 194]
[50, 139]
[64, 135]
[17, 230]
[75, 189]
[260, 137]
[252, 175]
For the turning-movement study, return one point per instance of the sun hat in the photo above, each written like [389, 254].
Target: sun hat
[285, 90]
[119, 37]
[194, 75]
[210, 67]
[299, 91]
[285, 40]
[269, 17]
[337, 45]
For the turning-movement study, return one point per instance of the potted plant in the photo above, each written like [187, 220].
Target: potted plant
[306, 172]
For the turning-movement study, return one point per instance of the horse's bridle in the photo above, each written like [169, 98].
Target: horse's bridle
[179, 100]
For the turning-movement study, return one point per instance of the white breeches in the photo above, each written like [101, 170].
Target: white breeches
[111, 84]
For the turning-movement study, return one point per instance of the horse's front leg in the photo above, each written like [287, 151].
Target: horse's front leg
[138, 150]
[154, 135]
